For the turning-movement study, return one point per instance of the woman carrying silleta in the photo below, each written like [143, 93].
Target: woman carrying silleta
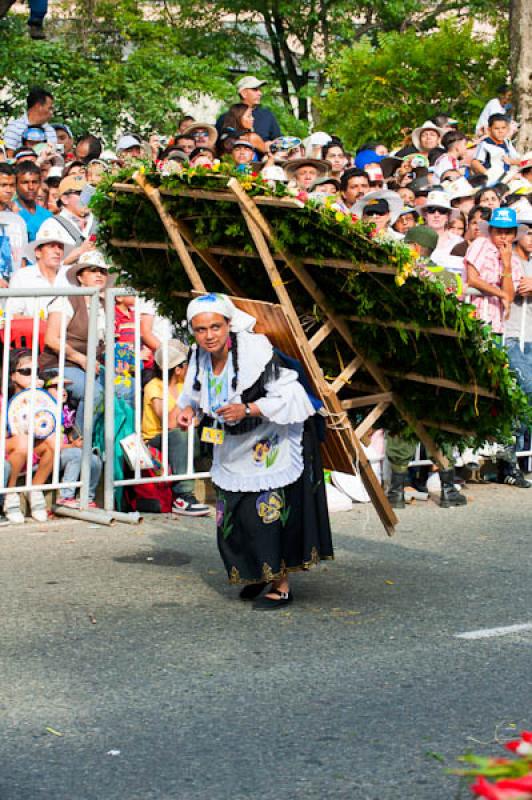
[271, 512]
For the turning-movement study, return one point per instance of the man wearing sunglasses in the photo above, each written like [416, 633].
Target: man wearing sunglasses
[74, 223]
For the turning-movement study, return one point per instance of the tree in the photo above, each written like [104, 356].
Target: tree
[521, 63]
[293, 41]
[382, 91]
[103, 81]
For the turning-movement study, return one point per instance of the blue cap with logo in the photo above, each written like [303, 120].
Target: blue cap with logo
[503, 218]
[34, 134]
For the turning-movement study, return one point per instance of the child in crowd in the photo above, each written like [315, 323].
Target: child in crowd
[184, 501]
[495, 154]
[17, 448]
[71, 449]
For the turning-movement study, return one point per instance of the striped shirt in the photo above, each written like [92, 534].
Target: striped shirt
[15, 129]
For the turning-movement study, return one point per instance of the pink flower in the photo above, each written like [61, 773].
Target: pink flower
[303, 196]
[516, 789]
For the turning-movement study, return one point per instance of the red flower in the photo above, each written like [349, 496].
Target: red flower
[303, 196]
[254, 174]
[354, 217]
[522, 746]
[517, 789]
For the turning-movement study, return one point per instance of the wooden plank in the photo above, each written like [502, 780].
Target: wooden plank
[346, 374]
[369, 421]
[407, 326]
[173, 232]
[368, 400]
[320, 335]
[444, 383]
[220, 195]
[446, 426]
[346, 435]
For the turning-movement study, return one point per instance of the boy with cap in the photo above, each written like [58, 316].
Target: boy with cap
[494, 270]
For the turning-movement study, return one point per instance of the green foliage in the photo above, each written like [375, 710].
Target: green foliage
[382, 90]
[408, 293]
[96, 87]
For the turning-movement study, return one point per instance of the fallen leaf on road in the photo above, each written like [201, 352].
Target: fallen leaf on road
[390, 583]
[53, 732]
[92, 618]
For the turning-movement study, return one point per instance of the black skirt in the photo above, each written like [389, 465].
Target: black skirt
[264, 535]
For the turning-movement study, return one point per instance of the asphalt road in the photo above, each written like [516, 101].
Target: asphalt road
[164, 686]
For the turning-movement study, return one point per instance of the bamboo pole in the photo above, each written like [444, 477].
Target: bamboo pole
[172, 229]
[368, 400]
[350, 441]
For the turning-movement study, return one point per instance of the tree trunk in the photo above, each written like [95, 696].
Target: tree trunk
[521, 63]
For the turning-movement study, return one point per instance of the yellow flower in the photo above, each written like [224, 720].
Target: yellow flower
[400, 279]
[339, 217]
[215, 168]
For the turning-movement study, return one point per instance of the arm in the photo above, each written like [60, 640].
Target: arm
[146, 328]
[157, 405]
[478, 167]
[474, 280]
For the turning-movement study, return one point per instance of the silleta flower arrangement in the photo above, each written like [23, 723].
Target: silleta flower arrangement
[502, 778]
[403, 316]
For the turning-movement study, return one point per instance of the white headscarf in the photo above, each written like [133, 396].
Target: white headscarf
[214, 303]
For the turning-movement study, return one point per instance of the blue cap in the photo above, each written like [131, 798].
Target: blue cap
[34, 134]
[503, 218]
[366, 157]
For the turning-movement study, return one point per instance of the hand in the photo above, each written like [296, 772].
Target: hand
[507, 305]
[505, 249]
[3, 284]
[233, 412]
[185, 418]
[525, 286]
[155, 144]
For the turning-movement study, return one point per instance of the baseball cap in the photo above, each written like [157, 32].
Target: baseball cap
[366, 157]
[243, 143]
[25, 153]
[34, 134]
[127, 141]
[376, 207]
[422, 235]
[503, 218]
[249, 82]
[73, 183]
[61, 126]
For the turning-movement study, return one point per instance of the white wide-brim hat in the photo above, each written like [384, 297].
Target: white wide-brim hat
[427, 126]
[47, 234]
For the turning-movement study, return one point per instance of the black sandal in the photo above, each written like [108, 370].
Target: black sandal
[252, 590]
[270, 603]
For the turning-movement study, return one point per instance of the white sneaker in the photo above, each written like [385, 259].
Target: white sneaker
[12, 509]
[38, 507]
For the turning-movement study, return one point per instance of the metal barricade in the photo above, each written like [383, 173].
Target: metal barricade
[90, 376]
[110, 484]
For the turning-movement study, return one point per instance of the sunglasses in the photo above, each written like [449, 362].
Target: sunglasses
[199, 134]
[26, 371]
[435, 210]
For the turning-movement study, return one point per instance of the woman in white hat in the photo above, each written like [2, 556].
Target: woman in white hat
[437, 213]
[271, 512]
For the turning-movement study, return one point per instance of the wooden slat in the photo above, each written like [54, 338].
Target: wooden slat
[320, 335]
[407, 326]
[347, 373]
[218, 195]
[368, 400]
[172, 229]
[446, 426]
[444, 383]
[369, 421]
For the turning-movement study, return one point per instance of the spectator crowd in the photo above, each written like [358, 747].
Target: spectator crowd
[458, 200]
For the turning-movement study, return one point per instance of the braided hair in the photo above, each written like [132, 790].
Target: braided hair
[234, 356]
[197, 385]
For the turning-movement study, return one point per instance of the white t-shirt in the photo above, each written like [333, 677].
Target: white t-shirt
[29, 278]
[493, 106]
[163, 329]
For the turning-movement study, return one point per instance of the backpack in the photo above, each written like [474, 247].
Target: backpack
[150, 498]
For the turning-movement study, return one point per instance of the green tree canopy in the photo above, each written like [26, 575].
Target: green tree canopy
[380, 91]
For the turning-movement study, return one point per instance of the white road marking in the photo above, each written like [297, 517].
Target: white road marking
[489, 633]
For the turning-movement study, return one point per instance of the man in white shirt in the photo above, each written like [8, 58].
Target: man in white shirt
[47, 252]
[12, 226]
[497, 105]
[40, 105]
